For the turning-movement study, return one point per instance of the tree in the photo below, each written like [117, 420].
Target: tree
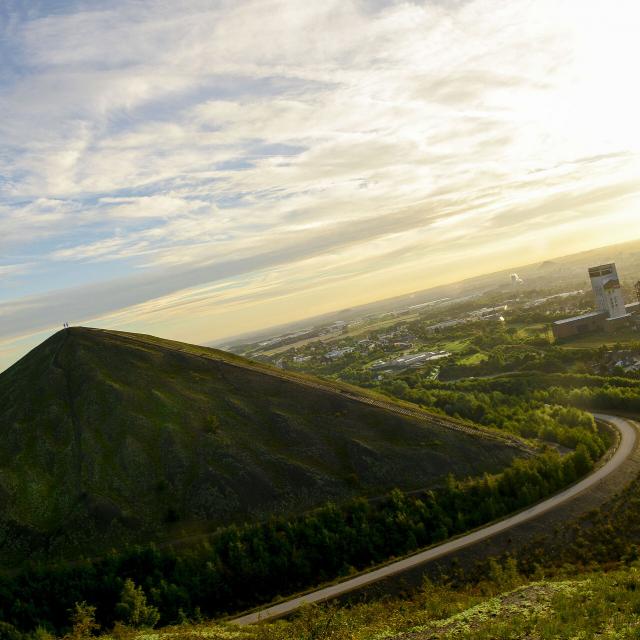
[83, 621]
[9, 632]
[582, 460]
[133, 609]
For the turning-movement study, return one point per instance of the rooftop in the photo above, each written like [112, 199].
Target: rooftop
[585, 316]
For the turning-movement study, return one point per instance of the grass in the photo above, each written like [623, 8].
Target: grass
[476, 358]
[454, 346]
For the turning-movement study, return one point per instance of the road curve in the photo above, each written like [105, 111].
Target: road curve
[628, 435]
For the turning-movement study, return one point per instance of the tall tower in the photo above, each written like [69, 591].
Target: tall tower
[606, 287]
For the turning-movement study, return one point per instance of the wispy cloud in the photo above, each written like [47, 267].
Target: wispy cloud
[150, 150]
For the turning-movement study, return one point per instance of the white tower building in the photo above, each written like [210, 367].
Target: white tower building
[606, 287]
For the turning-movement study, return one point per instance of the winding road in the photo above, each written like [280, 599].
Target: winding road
[628, 435]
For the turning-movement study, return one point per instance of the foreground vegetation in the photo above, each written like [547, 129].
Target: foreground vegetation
[240, 567]
[503, 605]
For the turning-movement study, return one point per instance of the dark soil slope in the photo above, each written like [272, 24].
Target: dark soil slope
[107, 438]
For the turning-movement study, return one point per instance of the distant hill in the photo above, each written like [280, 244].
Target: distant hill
[109, 438]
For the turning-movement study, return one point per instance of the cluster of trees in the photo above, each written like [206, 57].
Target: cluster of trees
[240, 567]
[583, 391]
[590, 392]
[132, 612]
[604, 398]
[536, 355]
[538, 414]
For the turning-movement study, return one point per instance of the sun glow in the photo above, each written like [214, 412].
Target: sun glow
[606, 96]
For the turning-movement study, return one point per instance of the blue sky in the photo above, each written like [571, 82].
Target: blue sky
[201, 169]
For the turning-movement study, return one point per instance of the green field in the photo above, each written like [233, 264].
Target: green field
[473, 359]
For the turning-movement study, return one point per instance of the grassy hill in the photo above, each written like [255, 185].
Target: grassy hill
[107, 438]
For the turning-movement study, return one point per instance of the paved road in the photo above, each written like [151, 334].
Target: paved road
[628, 435]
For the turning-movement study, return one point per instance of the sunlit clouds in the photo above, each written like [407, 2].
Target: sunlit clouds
[201, 169]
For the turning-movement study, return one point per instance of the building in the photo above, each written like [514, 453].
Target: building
[338, 353]
[611, 311]
[633, 310]
[412, 361]
[587, 323]
[606, 288]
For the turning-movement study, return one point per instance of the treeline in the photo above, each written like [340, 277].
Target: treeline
[604, 398]
[572, 390]
[515, 410]
[526, 381]
[241, 567]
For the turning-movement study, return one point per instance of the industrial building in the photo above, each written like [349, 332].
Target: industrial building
[606, 288]
[611, 310]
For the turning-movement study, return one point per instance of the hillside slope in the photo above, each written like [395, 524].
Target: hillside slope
[108, 437]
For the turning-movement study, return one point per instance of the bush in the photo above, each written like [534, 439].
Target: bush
[9, 632]
[83, 621]
[133, 609]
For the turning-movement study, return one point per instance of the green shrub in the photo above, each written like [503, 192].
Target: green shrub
[83, 622]
[133, 609]
[9, 632]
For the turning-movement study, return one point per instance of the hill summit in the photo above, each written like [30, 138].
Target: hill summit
[109, 438]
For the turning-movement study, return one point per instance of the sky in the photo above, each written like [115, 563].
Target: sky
[199, 169]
